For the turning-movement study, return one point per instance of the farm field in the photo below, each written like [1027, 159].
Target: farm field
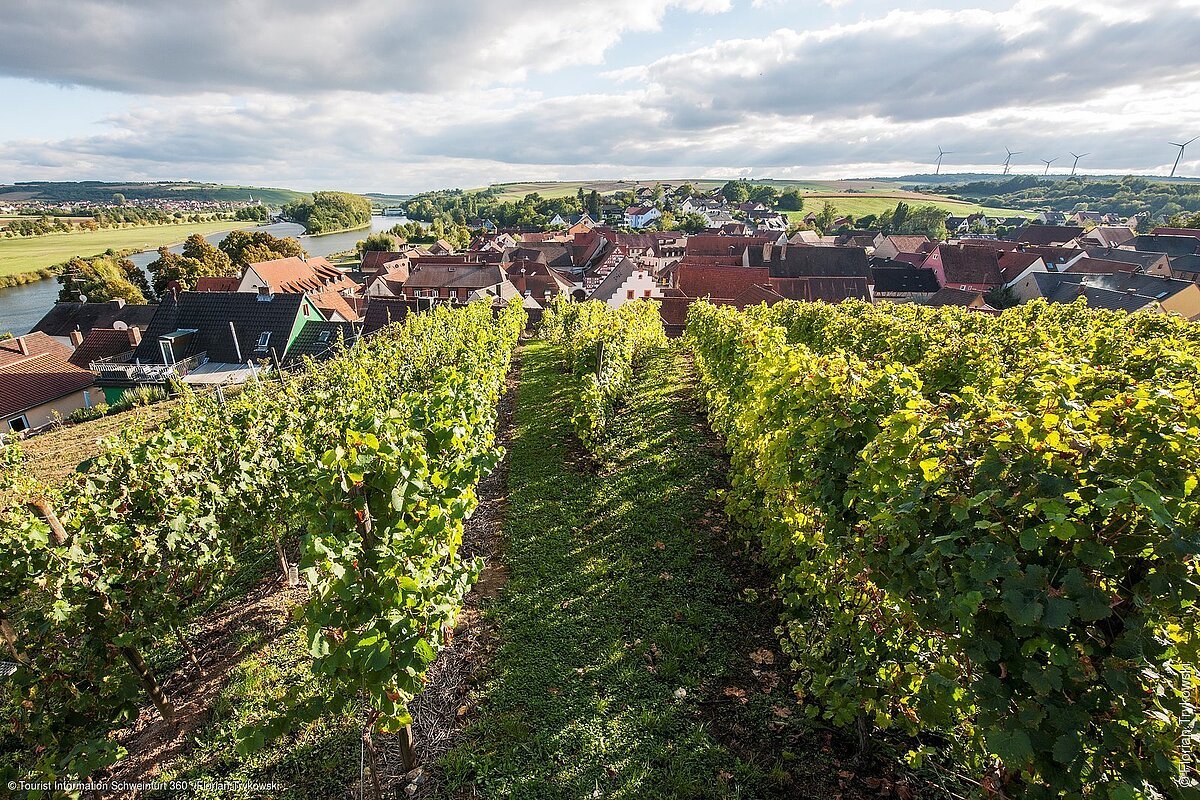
[860, 205]
[857, 197]
[26, 254]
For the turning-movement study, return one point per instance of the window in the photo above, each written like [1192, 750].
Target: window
[168, 352]
[18, 424]
[87, 399]
[629, 294]
[646, 293]
[323, 336]
[264, 339]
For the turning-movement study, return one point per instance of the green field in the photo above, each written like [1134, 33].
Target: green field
[860, 205]
[27, 254]
[857, 197]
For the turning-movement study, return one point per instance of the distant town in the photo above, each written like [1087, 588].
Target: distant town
[219, 321]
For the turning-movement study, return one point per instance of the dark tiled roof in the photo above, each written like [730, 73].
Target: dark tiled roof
[45, 374]
[1171, 245]
[1048, 234]
[758, 293]
[904, 279]
[1097, 297]
[1144, 261]
[67, 317]
[1186, 266]
[954, 297]
[383, 311]
[210, 313]
[461, 276]
[820, 262]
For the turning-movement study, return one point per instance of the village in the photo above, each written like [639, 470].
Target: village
[82, 358]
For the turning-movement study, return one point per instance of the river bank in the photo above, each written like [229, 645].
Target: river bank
[23, 305]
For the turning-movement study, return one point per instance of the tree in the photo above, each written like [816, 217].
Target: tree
[925, 220]
[694, 223]
[736, 191]
[825, 217]
[767, 195]
[685, 191]
[791, 200]
[593, 205]
[900, 215]
[118, 199]
[245, 248]
[199, 259]
[329, 211]
[380, 242]
[104, 278]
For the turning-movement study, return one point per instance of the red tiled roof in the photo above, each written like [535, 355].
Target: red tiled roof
[373, 260]
[222, 284]
[104, 343]
[975, 265]
[1013, 263]
[719, 282]
[45, 374]
[293, 275]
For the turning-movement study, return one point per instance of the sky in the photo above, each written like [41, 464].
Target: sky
[404, 96]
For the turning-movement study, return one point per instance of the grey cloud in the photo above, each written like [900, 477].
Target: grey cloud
[923, 66]
[171, 47]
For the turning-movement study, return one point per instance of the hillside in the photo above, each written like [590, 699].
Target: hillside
[1125, 196]
[102, 192]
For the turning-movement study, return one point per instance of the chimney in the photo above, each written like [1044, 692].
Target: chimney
[22, 346]
[135, 336]
[76, 338]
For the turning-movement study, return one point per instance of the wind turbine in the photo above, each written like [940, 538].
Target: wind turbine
[1048, 163]
[941, 153]
[1076, 164]
[1008, 161]
[1180, 146]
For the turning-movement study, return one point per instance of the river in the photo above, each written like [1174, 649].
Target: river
[22, 306]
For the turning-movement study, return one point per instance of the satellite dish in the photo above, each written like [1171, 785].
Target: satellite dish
[83, 298]
[120, 326]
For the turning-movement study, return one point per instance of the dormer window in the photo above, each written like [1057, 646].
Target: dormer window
[323, 336]
[264, 339]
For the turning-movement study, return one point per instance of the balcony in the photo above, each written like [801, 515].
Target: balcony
[110, 370]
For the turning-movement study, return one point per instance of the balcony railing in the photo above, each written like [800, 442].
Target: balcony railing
[134, 372]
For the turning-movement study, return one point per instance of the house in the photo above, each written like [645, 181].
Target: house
[1107, 236]
[38, 383]
[805, 238]
[1054, 218]
[1148, 263]
[1015, 264]
[1126, 291]
[718, 282]
[964, 298]
[66, 318]
[104, 343]
[218, 283]
[612, 214]
[961, 266]
[1052, 235]
[641, 216]
[537, 281]
[825, 274]
[214, 338]
[325, 284]
[451, 282]
[626, 282]
[892, 246]
[375, 260]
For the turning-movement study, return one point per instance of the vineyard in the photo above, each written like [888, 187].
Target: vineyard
[984, 529]
[806, 551]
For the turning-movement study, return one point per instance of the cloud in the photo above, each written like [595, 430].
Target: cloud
[169, 47]
[911, 65]
[873, 95]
